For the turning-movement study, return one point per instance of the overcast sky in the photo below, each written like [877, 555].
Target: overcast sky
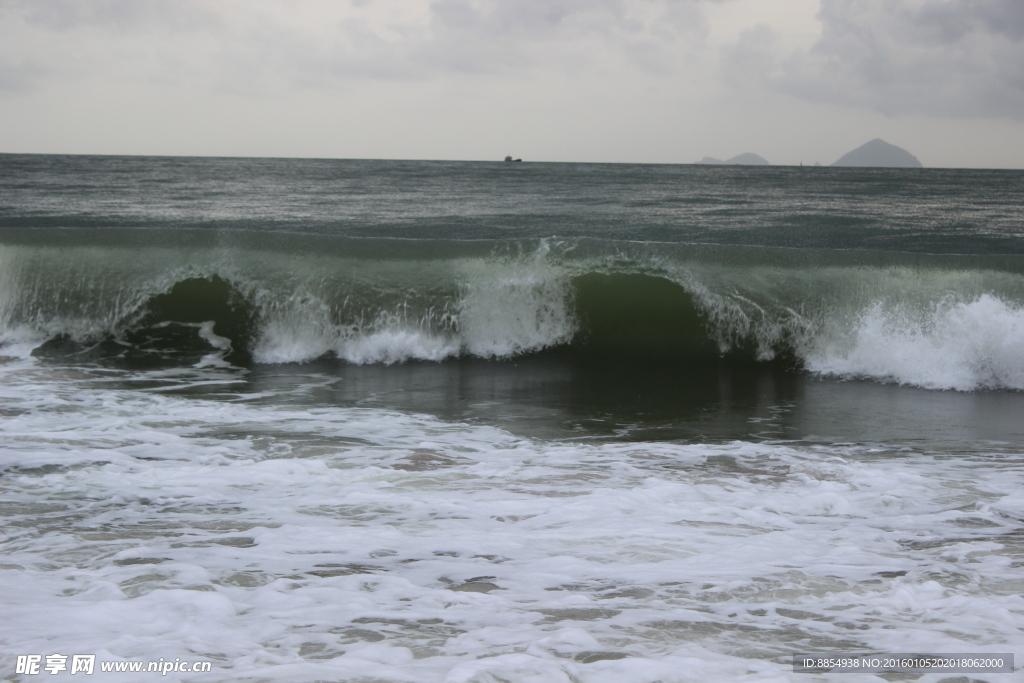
[664, 81]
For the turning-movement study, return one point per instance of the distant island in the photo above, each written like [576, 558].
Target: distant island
[746, 159]
[880, 153]
[877, 153]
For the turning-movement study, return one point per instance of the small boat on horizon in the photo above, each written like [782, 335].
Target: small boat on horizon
[511, 160]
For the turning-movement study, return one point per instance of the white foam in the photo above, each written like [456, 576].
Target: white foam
[20, 341]
[395, 346]
[310, 542]
[295, 329]
[501, 308]
[301, 334]
[965, 346]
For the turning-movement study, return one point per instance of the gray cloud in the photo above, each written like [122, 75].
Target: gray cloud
[495, 36]
[939, 57]
[318, 43]
[115, 15]
[53, 41]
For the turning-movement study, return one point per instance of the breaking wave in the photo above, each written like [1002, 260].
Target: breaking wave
[935, 322]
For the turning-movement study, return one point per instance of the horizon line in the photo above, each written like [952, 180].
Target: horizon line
[499, 160]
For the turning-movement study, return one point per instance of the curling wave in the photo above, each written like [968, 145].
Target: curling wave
[935, 322]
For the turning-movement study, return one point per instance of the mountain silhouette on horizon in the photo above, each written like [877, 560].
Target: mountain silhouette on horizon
[879, 153]
[745, 159]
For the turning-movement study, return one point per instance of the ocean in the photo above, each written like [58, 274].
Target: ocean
[390, 421]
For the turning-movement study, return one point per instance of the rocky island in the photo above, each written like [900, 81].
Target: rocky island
[879, 153]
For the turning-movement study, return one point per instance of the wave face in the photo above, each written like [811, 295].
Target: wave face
[936, 322]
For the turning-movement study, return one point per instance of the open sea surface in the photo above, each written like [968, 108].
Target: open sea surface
[469, 422]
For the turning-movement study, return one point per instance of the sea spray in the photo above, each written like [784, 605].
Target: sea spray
[977, 344]
[515, 306]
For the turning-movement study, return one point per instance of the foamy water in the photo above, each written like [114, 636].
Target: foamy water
[950, 345]
[295, 542]
[495, 310]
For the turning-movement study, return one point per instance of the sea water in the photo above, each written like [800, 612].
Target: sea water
[334, 420]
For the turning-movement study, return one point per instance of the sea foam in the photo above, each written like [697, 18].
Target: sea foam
[302, 541]
[964, 346]
[498, 309]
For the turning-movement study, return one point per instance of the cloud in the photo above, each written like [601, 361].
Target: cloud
[116, 15]
[250, 45]
[500, 36]
[938, 57]
[53, 41]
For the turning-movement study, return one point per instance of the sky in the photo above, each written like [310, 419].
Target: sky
[651, 81]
